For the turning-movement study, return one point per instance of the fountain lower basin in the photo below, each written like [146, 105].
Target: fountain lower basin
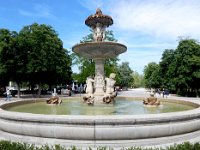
[121, 106]
[110, 130]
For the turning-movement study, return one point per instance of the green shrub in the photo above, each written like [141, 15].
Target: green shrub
[7, 145]
[104, 148]
[185, 146]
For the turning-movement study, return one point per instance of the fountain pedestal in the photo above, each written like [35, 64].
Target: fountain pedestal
[99, 83]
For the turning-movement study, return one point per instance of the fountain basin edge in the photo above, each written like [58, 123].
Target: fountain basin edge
[93, 129]
[102, 50]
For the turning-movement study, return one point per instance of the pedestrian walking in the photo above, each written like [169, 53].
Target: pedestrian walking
[8, 95]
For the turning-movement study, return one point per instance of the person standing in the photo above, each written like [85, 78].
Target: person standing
[163, 92]
[8, 95]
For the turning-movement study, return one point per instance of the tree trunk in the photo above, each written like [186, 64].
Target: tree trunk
[196, 92]
[50, 87]
[18, 90]
[39, 90]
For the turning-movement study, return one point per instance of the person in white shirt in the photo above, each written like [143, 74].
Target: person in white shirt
[8, 95]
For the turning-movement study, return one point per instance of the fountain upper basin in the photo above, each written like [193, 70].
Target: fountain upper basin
[99, 49]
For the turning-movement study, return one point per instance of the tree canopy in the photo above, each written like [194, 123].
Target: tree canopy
[138, 80]
[179, 69]
[124, 75]
[8, 59]
[152, 76]
[48, 62]
[35, 55]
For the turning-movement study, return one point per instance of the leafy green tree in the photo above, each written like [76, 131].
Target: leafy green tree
[87, 66]
[167, 69]
[124, 76]
[187, 66]
[138, 80]
[6, 38]
[179, 69]
[47, 61]
[11, 59]
[35, 55]
[152, 76]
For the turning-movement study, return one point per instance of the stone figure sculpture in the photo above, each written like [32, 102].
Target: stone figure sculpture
[110, 93]
[153, 101]
[99, 33]
[54, 99]
[99, 82]
[89, 97]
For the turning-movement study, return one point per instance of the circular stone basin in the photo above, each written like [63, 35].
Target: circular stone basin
[99, 49]
[122, 106]
[95, 130]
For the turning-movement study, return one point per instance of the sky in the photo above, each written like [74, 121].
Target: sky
[146, 27]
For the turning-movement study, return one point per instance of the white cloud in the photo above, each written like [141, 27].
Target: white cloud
[148, 27]
[158, 18]
[39, 10]
[158, 23]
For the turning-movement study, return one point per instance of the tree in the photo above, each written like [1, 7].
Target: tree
[124, 75]
[5, 46]
[152, 76]
[187, 66]
[87, 66]
[138, 80]
[13, 58]
[167, 69]
[47, 61]
[179, 68]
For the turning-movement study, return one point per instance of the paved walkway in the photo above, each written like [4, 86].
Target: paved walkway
[138, 92]
[141, 92]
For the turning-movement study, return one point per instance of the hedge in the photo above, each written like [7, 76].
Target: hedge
[8, 145]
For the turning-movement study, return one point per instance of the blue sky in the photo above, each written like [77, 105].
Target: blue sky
[146, 27]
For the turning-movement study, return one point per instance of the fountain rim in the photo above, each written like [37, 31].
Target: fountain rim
[100, 130]
[100, 119]
[99, 43]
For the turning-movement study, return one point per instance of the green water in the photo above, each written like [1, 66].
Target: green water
[77, 107]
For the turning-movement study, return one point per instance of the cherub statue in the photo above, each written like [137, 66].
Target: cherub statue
[110, 92]
[89, 97]
[98, 32]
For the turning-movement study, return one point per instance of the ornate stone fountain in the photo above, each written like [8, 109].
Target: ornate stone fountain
[115, 131]
[99, 51]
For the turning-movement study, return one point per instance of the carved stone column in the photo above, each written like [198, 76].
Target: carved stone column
[99, 77]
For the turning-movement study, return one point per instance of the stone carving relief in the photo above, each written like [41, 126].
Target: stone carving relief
[153, 101]
[98, 33]
[110, 93]
[89, 96]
